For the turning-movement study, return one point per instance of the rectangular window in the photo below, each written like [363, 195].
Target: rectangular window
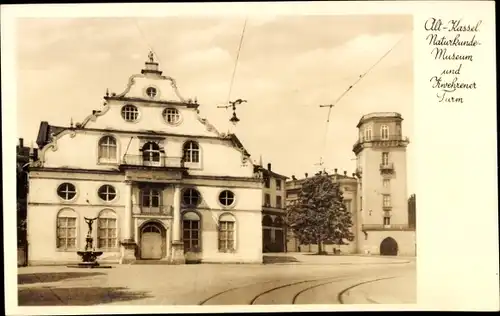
[267, 200]
[278, 201]
[348, 205]
[190, 234]
[267, 182]
[387, 220]
[386, 183]
[107, 233]
[278, 184]
[66, 233]
[226, 236]
[385, 158]
[386, 201]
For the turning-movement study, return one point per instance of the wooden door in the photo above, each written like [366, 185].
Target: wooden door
[151, 243]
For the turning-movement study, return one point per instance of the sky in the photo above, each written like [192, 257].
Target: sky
[287, 67]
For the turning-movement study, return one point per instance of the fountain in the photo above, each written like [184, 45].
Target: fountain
[89, 256]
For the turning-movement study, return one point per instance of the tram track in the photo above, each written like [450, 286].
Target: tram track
[263, 295]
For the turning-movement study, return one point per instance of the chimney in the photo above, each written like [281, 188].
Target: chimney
[335, 170]
[21, 142]
[269, 166]
[345, 173]
[354, 175]
[293, 177]
[306, 174]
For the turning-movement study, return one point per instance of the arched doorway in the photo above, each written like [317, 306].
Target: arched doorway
[267, 223]
[152, 241]
[389, 247]
[279, 243]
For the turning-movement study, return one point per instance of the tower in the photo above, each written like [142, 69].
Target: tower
[382, 224]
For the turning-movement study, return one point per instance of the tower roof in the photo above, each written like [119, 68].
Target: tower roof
[379, 115]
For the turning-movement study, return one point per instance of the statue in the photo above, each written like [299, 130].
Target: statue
[151, 56]
[89, 222]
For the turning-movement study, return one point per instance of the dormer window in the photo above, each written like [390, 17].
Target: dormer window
[151, 92]
[171, 116]
[130, 113]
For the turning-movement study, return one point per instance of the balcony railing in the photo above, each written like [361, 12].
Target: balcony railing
[388, 166]
[152, 161]
[367, 227]
[379, 138]
[163, 210]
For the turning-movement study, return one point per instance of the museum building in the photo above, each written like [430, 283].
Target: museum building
[160, 182]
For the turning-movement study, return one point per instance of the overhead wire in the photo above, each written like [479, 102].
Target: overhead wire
[236, 61]
[349, 89]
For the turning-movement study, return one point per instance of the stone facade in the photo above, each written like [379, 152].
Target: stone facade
[161, 181]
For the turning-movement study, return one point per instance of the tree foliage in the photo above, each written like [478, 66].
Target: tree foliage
[319, 213]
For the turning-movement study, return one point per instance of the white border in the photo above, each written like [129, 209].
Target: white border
[457, 270]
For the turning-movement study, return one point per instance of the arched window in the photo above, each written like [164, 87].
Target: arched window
[267, 221]
[278, 222]
[191, 152]
[384, 132]
[107, 230]
[150, 200]
[66, 229]
[191, 231]
[368, 133]
[226, 232]
[107, 149]
[191, 197]
[151, 153]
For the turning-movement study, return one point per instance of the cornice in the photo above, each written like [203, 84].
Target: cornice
[95, 114]
[53, 145]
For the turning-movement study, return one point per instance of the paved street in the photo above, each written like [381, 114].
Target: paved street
[285, 279]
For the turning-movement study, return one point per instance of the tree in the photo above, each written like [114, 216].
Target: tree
[319, 213]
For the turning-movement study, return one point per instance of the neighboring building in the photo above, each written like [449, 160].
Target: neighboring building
[377, 194]
[22, 162]
[273, 210]
[161, 181]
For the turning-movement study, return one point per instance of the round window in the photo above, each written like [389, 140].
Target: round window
[130, 113]
[171, 116]
[107, 193]
[151, 92]
[191, 197]
[226, 198]
[66, 191]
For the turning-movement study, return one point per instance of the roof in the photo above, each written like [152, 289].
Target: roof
[271, 173]
[376, 115]
[45, 132]
[237, 143]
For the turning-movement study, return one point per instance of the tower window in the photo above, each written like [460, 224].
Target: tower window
[368, 133]
[387, 201]
[384, 132]
[385, 159]
[387, 220]
[385, 183]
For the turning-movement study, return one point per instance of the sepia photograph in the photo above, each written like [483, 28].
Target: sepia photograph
[249, 157]
[215, 160]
